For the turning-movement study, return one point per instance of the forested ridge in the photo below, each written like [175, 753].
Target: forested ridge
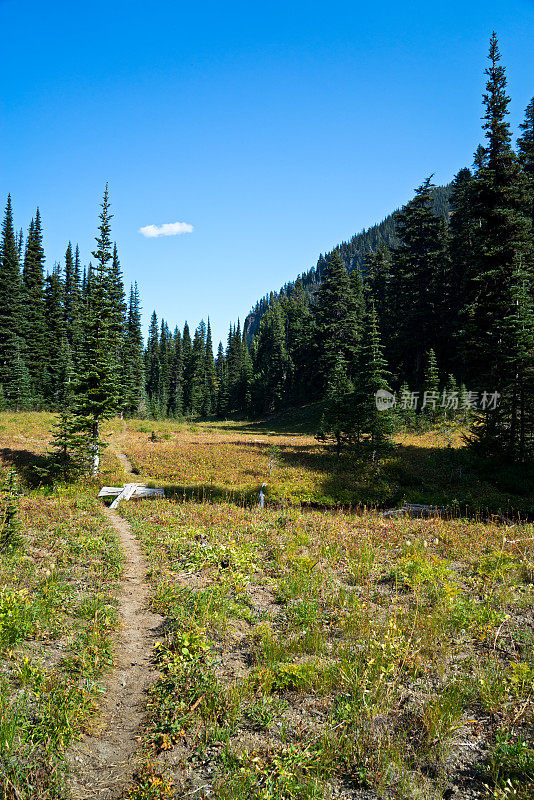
[354, 254]
[434, 303]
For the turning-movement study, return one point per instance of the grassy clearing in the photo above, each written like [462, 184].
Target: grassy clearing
[307, 654]
[57, 616]
[313, 655]
[229, 461]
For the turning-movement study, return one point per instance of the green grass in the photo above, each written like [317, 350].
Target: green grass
[58, 601]
[308, 653]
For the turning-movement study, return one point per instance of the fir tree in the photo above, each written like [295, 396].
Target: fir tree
[117, 319]
[222, 381]
[70, 445]
[11, 309]
[416, 285]
[55, 331]
[209, 392]
[34, 305]
[462, 251]
[525, 149]
[338, 419]
[186, 357]
[19, 389]
[96, 393]
[133, 375]
[451, 398]
[336, 321]
[377, 269]
[10, 525]
[272, 364]
[197, 369]
[504, 249]
[176, 377]
[72, 300]
[431, 395]
[371, 421]
[152, 365]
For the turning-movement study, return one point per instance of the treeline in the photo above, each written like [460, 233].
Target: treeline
[455, 290]
[354, 254]
[45, 321]
[439, 297]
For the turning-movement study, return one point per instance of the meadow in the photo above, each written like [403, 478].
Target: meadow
[59, 576]
[311, 649]
[229, 461]
[313, 655]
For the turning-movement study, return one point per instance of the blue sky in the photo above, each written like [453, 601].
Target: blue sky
[275, 129]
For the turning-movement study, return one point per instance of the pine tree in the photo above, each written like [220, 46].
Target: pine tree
[133, 372]
[525, 149]
[272, 363]
[338, 419]
[209, 392]
[431, 395]
[55, 331]
[415, 294]
[96, 393]
[336, 321]
[72, 300]
[371, 421]
[11, 307]
[504, 250]
[176, 377]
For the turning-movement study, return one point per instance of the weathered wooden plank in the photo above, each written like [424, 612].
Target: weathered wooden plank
[110, 491]
[119, 497]
[128, 491]
[145, 491]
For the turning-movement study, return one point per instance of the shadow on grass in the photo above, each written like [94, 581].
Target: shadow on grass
[32, 467]
[291, 422]
[211, 493]
[437, 476]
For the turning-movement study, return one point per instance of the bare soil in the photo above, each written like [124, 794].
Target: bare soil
[102, 764]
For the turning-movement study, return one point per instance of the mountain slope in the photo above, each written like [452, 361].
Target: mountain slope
[353, 254]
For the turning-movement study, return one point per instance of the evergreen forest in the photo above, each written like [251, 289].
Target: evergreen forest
[433, 308]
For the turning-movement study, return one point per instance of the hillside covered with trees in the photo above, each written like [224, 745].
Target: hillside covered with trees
[435, 304]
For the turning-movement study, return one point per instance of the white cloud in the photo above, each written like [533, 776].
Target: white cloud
[168, 229]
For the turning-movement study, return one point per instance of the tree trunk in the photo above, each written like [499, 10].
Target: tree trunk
[95, 451]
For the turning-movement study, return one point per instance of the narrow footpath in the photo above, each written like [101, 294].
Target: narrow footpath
[102, 764]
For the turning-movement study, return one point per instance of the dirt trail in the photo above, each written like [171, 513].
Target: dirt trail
[115, 446]
[102, 764]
